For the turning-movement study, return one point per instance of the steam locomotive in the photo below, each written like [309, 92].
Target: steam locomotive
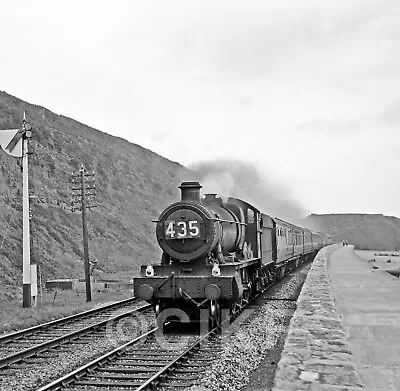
[218, 254]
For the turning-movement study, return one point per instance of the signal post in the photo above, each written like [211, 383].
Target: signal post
[26, 241]
[15, 143]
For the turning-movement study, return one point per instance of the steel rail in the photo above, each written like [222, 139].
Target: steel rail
[43, 326]
[14, 358]
[155, 380]
[77, 374]
[152, 382]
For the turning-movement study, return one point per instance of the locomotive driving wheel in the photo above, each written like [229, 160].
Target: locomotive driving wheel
[246, 294]
[214, 315]
[237, 306]
[157, 310]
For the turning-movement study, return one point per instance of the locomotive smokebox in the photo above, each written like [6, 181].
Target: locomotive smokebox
[192, 228]
[190, 191]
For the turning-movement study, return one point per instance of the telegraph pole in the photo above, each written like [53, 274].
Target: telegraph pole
[83, 184]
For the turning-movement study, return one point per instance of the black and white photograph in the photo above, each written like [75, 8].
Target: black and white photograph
[199, 195]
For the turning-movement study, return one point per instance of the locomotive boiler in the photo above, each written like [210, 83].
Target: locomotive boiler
[216, 254]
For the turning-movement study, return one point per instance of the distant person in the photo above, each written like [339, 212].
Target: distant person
[344, 243]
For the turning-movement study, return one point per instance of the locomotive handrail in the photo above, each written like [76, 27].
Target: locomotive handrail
[226, 221]
[213, 219]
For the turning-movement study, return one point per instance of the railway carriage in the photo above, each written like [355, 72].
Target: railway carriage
[217, 254]
[308, 245]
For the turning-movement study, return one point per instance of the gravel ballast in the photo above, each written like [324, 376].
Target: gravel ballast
[56, 363]
[250, 348]
[256, 336]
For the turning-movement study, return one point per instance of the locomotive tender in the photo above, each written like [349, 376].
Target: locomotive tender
[217, 254]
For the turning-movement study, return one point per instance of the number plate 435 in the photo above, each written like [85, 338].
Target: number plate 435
[182, 229]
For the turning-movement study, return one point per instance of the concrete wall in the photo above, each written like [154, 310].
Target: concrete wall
[316, 354]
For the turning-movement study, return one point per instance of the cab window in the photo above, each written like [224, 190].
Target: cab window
[250, 216]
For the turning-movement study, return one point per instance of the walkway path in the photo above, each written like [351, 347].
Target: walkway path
[368, 302]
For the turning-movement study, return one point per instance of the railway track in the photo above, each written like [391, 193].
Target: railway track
[143, 363]
[151, 361]
[15, 348]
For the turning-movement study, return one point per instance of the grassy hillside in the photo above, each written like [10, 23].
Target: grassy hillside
[366, 231]
[133, 186]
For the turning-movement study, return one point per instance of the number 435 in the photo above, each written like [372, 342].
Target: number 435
[183, 229]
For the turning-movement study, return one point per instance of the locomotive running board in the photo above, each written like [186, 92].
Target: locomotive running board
[241, 263]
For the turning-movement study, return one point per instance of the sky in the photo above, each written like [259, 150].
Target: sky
[306, 93]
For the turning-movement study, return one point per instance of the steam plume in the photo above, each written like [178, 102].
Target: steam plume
[231, 178]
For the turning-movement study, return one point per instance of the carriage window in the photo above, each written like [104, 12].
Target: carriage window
[250, 216]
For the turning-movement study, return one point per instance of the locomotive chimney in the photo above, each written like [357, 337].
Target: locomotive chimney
[190, 191]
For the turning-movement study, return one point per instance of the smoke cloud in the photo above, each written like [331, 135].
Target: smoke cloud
[231, 178]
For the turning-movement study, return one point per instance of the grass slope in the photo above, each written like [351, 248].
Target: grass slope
[133, 186]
